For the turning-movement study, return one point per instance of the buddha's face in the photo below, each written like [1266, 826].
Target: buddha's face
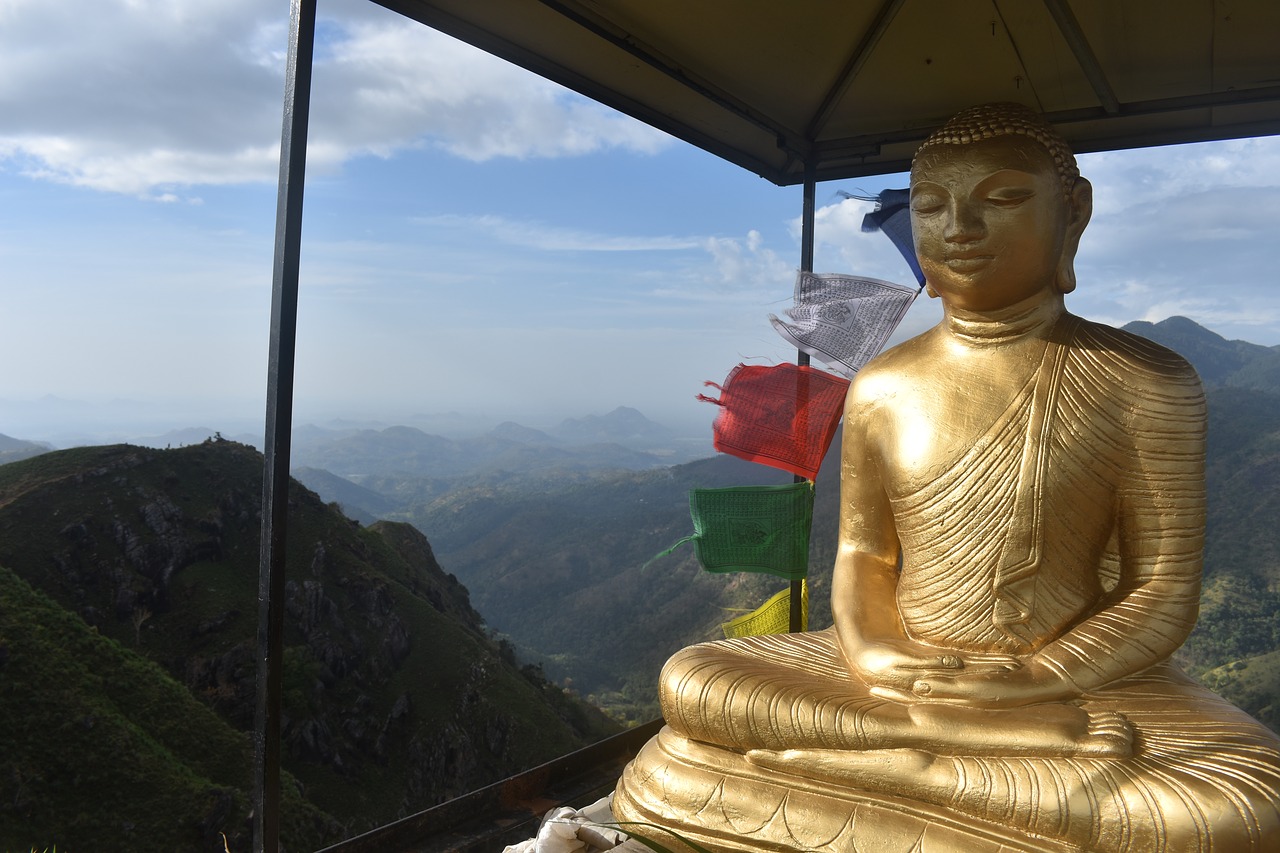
[990, 221]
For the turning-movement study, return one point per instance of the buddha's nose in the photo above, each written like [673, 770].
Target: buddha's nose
[964, 224]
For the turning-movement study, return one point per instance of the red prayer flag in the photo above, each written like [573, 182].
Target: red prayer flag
[783, 416]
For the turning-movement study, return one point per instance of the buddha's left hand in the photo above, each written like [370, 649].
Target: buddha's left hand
[1028, 683]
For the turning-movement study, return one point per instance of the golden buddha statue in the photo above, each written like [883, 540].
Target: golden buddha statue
[1022, 521]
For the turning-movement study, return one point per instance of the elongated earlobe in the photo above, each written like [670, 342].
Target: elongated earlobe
[1066, 280]
[1081, 202]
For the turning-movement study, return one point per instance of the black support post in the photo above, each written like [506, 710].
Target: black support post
[279, 424]
[807, 224]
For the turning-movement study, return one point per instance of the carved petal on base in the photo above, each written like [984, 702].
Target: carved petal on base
[716, 798]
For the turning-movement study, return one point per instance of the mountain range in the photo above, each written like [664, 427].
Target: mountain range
[127, 655]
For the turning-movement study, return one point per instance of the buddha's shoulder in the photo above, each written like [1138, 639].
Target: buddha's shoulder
[885, 376]
[1126, 354]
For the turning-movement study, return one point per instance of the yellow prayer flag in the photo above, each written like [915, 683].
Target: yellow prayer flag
[772, 617]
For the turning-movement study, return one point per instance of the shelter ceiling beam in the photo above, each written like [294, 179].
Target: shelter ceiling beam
[888, 11]
[1069, 26]
[788, 139]
[838, 153]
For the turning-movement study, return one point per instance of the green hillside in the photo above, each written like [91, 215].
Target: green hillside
[1220, 362]
[101, 750]
[395, 697]
[1239, 625]
[552, 567]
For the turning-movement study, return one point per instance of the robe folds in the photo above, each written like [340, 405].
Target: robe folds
[1071, 530]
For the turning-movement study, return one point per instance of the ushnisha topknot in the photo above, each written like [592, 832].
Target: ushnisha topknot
[989, 121]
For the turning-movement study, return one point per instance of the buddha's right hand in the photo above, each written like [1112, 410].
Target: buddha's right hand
[895, 665]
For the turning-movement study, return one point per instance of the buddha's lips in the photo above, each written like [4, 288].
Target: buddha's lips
[967, 261]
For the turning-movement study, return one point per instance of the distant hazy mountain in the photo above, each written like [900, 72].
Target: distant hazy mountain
[1219, 362]
[13, 449]
[406, 464]
[512, 431]
[562, 570]
[624, 425]
[363, 505]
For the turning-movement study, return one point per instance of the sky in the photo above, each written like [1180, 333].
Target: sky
[479, 244]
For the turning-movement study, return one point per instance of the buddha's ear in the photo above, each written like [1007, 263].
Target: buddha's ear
[1079, 210]
[1081, 203]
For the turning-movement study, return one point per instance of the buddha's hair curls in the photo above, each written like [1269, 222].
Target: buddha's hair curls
[989, 121]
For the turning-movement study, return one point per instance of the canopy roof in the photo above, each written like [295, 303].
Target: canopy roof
[850, 87]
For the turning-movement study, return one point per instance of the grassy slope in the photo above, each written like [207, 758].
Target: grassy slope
[580, 552]
[101, 750]
[1239, 626]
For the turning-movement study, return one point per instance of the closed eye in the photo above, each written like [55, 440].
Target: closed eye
[1008, 200]
[926, 205]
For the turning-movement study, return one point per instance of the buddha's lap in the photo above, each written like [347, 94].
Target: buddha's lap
[1201, 768]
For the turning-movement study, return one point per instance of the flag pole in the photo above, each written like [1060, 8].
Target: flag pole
[807, 224]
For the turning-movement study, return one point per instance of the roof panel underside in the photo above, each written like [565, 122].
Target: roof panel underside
[750, 80]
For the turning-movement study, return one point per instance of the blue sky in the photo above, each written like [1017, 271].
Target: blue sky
[476, 240]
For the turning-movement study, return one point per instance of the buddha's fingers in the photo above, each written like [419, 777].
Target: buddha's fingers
[991, 662]
[943, 663]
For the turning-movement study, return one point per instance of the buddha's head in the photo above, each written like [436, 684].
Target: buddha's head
[997, 208]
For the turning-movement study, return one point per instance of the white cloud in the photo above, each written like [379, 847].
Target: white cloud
[1184, 230]
[149, 96]
[746, 265]
[1140, 180]
[391, 83]
[840, 244]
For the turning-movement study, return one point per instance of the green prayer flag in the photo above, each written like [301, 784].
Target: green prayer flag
[753, 528]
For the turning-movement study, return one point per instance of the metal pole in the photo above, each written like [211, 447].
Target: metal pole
[807, 223]
[279, 424]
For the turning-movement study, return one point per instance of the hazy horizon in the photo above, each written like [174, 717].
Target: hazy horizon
[72, 423]
[66, 422]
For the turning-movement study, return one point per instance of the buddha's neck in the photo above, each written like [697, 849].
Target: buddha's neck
[1031, 318]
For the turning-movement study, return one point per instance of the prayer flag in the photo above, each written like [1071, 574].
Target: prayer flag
[843, 320]
[772, 617]
[783, 416]
[752, 529]
[893, 217]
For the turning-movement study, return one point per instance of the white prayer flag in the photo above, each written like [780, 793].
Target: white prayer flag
[843, 320]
